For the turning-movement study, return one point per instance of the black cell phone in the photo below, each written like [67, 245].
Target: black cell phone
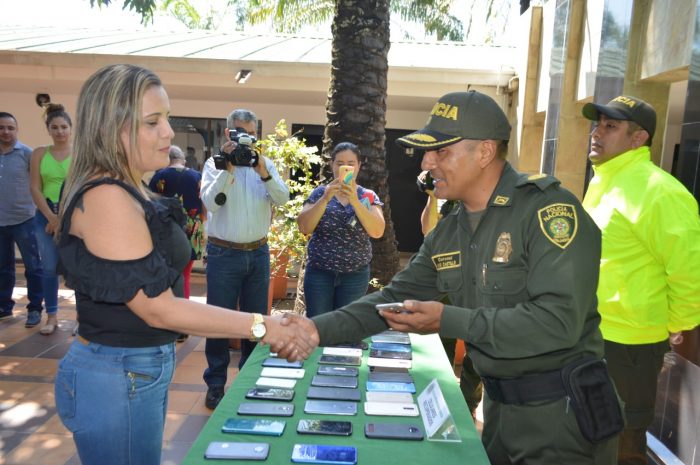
[334, 381]
[266, 409]
[330, 407]
[388, 370]
[390, 377]
[393, 431]
[354, 345]
[332, 370]
[380, 353]
[325, 427]
[237, 450]
[333, 393]
[281, 363]
[340, 360]
[281, 394]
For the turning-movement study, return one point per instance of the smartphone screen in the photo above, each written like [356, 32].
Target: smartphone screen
[325, 427]
[316, 453]
[260, 426]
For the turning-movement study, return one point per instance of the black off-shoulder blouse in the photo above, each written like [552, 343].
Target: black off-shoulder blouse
[102, 287]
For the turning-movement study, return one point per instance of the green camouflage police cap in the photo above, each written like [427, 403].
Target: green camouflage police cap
[624, 108]
[457, 116]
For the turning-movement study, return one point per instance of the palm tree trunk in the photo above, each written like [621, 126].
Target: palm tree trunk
[356, 106]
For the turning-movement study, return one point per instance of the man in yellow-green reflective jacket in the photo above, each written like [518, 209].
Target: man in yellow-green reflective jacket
[649, 287]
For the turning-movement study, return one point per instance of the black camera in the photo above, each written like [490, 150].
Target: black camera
[425, 181]
[243, 155]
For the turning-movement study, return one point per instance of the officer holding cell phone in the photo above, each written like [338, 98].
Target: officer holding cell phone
[518, 258]
[341, 217]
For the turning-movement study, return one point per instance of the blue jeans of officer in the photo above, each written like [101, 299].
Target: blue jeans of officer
[49, 260]
[234, 277]
[114, 401]
[23, 234]
[327, 290]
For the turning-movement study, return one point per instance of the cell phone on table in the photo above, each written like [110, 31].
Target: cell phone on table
[237, 450]
[264, 381]
[325, 427]
[266, 409]
[348, 351]
[281, 363]
[330, 407]
[340, 360]
[289, 373]
[388, 362]
[337, 371]
[391, 346]
[383, 386]
[334, 381]
[317, 453]
[390, 377]
[381, 353]
[396, 307]
[285, 395]
[258, 427]
[391, 409]
[393, 431]
[333, 393]
[395, 397]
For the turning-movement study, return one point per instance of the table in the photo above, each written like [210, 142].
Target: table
[429, 362]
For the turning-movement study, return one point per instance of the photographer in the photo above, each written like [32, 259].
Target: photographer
[239, 186]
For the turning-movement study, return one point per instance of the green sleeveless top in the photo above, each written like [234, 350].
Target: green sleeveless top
[53, 174]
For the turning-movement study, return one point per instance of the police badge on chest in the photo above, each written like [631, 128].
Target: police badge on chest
[504, 248]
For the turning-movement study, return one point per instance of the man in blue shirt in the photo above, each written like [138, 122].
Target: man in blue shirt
[16, 223]
[239, 203]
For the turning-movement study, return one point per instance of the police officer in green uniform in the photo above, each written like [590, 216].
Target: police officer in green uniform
[519, 262]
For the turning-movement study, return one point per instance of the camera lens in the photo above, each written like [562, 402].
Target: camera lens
[412, 429]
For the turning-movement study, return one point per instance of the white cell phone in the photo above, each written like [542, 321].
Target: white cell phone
[292, 373]
[276, 382]
[388, 362]
[391, 409]
[396, 307]
[237, 450]
[347, 351]
[392, 397]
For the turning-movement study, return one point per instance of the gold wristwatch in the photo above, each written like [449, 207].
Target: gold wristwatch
[258, 329]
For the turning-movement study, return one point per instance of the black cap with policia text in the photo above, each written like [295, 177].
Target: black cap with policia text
[624, 108]
[460, 115]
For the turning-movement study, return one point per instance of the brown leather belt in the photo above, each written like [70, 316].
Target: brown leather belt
[238, 245]
[81, 340]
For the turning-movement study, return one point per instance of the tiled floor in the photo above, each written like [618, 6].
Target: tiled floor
[31, 432]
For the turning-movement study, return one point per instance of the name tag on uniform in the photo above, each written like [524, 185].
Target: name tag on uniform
[445, 261]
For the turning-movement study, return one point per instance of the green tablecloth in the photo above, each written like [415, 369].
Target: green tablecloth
[429, 361]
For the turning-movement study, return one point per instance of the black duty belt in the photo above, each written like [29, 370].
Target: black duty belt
[531, 388]
[255, 245]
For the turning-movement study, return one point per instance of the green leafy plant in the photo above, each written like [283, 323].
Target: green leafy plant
[293, 158]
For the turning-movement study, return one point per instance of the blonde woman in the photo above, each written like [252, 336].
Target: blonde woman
[123, 251]
[48, 169]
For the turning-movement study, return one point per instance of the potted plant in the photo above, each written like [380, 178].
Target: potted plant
[294, 160]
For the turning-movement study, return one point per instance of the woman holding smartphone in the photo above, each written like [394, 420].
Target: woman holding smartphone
[341, 218]
[123, 251]
[47, 171]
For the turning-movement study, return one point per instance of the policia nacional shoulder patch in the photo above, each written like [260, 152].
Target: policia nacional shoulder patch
[558, 223]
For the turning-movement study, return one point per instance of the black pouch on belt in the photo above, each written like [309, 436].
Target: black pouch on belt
[593, 398]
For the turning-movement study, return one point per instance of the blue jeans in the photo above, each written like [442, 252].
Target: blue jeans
[327, 290]
[114, 401]
[234, 277]
[49, 259]
[23, 235]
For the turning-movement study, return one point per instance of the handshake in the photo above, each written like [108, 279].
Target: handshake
[292, 336]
